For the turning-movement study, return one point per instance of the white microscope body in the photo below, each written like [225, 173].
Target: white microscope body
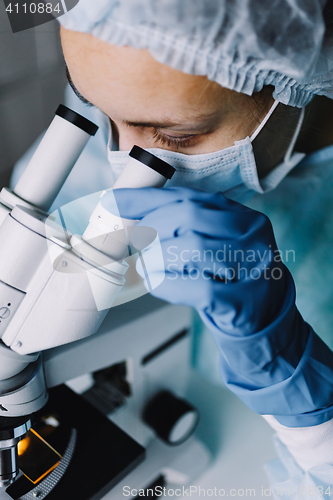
[56, 288]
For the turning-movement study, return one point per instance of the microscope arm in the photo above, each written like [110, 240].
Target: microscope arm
[55, 288]
[22, 384]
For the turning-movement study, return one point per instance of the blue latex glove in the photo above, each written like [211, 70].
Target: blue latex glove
[221, 258]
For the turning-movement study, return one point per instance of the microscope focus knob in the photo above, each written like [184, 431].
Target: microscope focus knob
[173, 419]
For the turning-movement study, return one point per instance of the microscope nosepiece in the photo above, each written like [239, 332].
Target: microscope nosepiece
[8, 466]
[11, 432]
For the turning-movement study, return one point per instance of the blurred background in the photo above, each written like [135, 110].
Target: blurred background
[32, 82]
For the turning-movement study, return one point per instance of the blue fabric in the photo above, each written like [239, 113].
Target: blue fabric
[220, 257]
[301, 211]
[242, 45]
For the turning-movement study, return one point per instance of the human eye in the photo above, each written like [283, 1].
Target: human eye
[175, 141]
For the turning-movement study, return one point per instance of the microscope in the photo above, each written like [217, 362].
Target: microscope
[61, 320]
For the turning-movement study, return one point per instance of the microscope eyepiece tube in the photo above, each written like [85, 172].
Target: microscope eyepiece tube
[152, 161]
[143, 169]
[77, 120]
[54, 158]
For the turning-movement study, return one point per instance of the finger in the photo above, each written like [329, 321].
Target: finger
[136, 203]
[188, 256]
[176, 218]
[181, 289]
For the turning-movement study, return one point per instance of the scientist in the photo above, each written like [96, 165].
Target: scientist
[227, 92]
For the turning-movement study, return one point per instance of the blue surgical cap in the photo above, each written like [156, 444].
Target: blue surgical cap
[241, 44]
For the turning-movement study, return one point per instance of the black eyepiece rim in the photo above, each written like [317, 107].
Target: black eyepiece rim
[152, 161]
[77, 120]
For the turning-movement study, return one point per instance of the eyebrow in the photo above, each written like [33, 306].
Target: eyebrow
[200, 120]
[164, 124]
[75, 90]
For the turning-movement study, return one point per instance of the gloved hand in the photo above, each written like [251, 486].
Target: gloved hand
[221, 258]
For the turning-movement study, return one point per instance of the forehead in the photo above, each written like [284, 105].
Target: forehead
[128, 83]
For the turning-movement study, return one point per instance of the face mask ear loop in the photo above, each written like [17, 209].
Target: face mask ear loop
[290, 149]
[265, 120]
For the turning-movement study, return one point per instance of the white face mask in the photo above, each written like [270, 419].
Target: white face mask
[232, 170]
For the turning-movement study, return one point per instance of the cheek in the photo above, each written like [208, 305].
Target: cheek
[234, 129]
[224, 137]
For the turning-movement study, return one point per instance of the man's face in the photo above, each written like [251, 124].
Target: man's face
[153, 105]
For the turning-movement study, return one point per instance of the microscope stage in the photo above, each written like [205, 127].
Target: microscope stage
[103, 453]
